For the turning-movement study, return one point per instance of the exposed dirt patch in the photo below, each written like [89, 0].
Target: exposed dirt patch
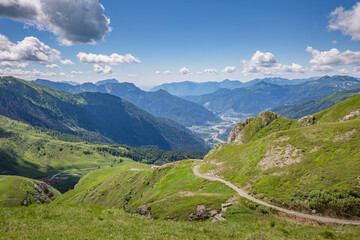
[344, 136]
[280, 157]
[282, 139]
[315, 149]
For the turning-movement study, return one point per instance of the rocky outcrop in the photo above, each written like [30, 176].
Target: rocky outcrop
[144, 211]
[202, 213]
[237, 128]
[306, 121]
[262, 120]
[351, 115]
[43, 194]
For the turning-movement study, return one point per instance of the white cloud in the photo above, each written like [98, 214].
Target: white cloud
[211, 70]
[29, 49]
[157, 72]
[346, 21]
[132, 75]
[266, 64]
[104, 70]
[167, 72]
[72, 21]
[334, 57]
[75, 73]
[229, 69]
[14, 64]
[25, 73]
[356, 69]
[184, 70]
[113, 59]
[343, 71]
[52, 65]
[62, 74]
[321, 68]
[67, 62]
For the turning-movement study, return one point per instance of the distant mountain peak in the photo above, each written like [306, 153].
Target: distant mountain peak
[102, 82]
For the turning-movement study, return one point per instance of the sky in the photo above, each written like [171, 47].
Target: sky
[153, 42]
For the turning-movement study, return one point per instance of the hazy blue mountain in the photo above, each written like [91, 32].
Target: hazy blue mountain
[188, 88]
[313, 106]
[262, 96]
[106, 81]
[93, 116]
[70, 82]
[159, 103]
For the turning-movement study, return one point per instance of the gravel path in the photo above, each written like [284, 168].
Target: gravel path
[242, 193]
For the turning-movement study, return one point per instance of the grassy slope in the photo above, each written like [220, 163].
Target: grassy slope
[40, 153]
[326, 176]
[93, 222]
[171, 191]
[14, 190]
[314, 106]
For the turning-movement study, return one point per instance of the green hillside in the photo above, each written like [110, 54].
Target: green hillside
[317, 105]
[93, 116]
[40, 153]
[296, 166]
[19, 191]
[159, 103]
[171, 191]
[94, 222]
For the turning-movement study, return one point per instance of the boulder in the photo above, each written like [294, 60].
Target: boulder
[218, 218]
[144, 211]
[202, 213]
[307, 121]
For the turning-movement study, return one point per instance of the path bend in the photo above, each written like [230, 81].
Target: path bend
[242, 193]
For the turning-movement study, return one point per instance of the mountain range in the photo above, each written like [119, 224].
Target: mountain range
[93, 116]
[159, 103]
[188, 88]
[262, 96]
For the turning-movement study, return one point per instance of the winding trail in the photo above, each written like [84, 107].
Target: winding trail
[242, 193]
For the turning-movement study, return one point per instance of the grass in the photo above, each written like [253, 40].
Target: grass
[40, 153]
[14, 190]
[325, 163]
[171, 191]
[95, 222]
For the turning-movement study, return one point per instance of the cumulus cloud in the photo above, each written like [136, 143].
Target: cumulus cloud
[346, 21]
[52, 66]
[167, 72]
[343, 71]
[266, 63]
[14, 64]
[26, 73]
[334, 57]
[29, 49]
[211, 70]
[67, 62]
[324, 68]
[103, 70]
[229, 69]
[62, 74]
[75, 73]
[113, 59]
[80, 21]
[184, 70]
[157, 72]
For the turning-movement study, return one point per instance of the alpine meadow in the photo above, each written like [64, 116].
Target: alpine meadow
[179, 119]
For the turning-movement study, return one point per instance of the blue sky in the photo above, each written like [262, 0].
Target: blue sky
[254, 39]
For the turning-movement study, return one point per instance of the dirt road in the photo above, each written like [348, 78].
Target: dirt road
[242, 193]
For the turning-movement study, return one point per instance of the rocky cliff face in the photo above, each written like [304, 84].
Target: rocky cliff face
[262, 120]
